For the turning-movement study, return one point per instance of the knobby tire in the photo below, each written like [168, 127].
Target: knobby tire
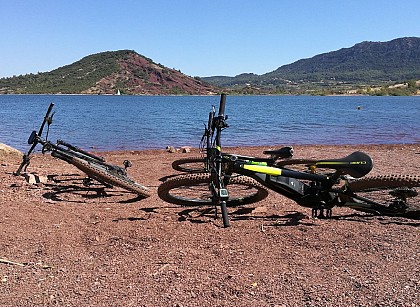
[378, 188]
[193, 190]
[102, 174]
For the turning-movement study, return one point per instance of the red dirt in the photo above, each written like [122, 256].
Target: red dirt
[77, 249]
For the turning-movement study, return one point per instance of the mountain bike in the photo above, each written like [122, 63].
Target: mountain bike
[208, 183]
[93, 166]
[317, 184]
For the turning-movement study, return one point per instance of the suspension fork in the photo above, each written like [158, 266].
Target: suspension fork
[222, 192]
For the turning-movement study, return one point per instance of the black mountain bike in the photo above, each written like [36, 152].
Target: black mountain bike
[93, 166]
[320, 185]
[208, 183]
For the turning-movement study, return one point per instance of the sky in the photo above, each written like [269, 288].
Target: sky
[198, 37]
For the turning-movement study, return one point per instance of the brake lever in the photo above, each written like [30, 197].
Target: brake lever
[50, 119]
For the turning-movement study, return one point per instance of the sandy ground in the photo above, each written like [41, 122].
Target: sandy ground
[68, 247]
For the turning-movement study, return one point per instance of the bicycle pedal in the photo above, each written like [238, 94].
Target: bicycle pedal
[87, 182]
[127, 164]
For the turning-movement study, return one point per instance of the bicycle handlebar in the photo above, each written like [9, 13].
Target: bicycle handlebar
[34, 139]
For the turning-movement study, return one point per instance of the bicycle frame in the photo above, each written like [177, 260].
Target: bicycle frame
[307, 189]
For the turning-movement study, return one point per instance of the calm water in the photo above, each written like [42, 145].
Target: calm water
[138, 122]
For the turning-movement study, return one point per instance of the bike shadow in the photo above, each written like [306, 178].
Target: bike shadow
[130, 219]
[384, 220]
[196, 215]
[291, 218]
[202, 215]
[147, 212]
[73, 184]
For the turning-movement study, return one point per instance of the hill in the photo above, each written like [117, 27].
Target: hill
[371, 63]
[367, 67]
[105, 73]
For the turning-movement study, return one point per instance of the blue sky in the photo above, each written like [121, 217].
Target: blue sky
[200, 38]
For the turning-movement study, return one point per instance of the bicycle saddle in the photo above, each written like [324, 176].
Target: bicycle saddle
[282, 153]
[356, 164]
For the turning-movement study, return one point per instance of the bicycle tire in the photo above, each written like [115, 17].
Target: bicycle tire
[378, 188]
[190, 165]
[102, 174]
[242, 190]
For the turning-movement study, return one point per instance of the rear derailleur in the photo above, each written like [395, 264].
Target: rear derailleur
[401, 194]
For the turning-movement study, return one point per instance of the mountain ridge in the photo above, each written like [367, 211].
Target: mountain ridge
[365, 62]
[106, 73]
[368, 64]
[385, 58]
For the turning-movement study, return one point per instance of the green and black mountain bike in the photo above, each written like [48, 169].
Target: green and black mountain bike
[93, 166]
[317, 184]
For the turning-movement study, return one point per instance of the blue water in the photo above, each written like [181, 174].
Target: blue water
[144, 122]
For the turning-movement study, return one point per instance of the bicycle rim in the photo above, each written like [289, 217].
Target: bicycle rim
[103, 175]
[383, 190]
[193, 190]
[190, 165]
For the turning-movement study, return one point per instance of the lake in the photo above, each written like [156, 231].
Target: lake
[146, 122]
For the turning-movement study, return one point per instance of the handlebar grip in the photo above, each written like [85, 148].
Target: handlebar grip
[222, 104]
[49, 109]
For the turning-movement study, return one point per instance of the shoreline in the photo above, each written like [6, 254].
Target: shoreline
[265, 147]
[5, 148]
[199, 95]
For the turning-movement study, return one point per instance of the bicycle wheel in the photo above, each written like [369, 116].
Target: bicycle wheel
[190, 165]
[105, 175]
[398, 194]
[193, 190]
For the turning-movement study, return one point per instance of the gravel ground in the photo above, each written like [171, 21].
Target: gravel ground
[62, 245]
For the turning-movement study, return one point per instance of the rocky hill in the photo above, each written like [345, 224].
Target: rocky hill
[366, 62]
[358, 69]
[106, 73]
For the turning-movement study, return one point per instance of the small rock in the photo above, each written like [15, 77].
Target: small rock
[6, 150]
[170, 149]
[35, 179]
[185, 149]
